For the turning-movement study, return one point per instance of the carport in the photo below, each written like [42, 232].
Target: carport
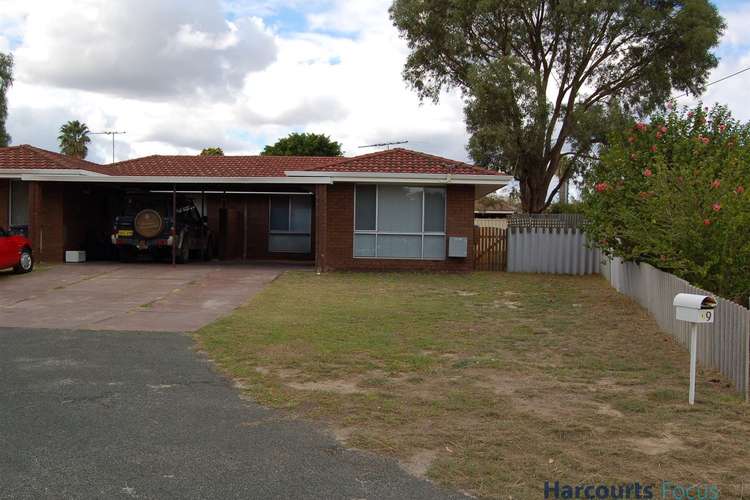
[247, 221]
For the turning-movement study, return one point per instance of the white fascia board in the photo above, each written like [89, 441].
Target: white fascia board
[49, 171]
[132, 179]
[406, 177]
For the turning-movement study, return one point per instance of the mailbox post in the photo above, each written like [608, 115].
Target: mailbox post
[694, 309]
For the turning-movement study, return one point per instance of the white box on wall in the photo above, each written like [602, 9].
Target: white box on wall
[75, 256]
[457, 246]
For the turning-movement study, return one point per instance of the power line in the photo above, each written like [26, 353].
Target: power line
[717, 81]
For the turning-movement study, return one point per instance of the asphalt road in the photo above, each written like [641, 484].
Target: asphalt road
[140, 415]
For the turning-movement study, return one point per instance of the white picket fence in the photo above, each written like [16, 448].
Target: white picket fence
[723, 345]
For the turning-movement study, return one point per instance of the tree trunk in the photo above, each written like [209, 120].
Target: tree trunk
[534, 194]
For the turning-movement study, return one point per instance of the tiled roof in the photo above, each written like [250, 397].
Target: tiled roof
[396, 161]
[26, 156]
[401, 160]
[219, 166]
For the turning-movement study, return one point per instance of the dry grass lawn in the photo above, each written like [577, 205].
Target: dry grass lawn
[489, 383]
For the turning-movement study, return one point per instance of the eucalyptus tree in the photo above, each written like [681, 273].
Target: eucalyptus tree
[543, 81]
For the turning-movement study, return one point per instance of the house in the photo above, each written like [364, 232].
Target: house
[394, 209]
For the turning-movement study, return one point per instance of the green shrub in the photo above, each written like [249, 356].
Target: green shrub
[674, 193]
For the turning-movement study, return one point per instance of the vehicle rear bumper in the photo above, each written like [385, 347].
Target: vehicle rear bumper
[142, 244]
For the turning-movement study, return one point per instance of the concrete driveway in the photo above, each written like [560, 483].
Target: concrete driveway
[140, 415]
[139, 297]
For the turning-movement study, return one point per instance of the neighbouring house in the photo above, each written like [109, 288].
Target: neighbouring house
[394, 209]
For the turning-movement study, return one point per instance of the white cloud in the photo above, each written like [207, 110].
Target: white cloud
[141, 48]
[178, 77]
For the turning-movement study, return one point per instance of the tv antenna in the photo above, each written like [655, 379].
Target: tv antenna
[386, 144]
[113, 133]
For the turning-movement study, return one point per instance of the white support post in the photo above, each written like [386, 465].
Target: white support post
[693, 353]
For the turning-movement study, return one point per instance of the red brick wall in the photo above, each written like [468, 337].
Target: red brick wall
[46, 221]
[4, 202]
[339, 240]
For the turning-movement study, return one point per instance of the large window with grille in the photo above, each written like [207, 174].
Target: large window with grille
[399, 222]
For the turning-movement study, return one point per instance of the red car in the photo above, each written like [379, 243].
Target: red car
[15, 252]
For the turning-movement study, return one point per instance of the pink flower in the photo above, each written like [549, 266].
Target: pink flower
[670, 105]
[663, 129]
[659, 135]
[705, 140]
[601, 187]
[706, 222]
[653, 149]
[739, 190]
[716, 207]
[648, 172]
[690, 114]
[722, 128]
[631, 139]
[716, 184]
[640, 126]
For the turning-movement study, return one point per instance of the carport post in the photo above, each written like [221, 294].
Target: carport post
[174, 222]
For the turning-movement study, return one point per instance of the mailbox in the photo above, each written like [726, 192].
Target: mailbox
[695, 308]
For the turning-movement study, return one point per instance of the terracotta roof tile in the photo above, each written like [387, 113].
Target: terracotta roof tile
[401, 160]
[25, 156]
[397, 161]
[219, 166]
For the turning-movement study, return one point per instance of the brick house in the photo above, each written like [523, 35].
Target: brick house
[395, 209]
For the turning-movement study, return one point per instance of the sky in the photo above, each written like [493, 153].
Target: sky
[178, 76]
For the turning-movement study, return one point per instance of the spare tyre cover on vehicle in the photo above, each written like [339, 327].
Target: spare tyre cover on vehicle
[148, 223]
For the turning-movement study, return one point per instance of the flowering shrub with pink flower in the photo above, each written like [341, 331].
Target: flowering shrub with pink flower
[673, 192]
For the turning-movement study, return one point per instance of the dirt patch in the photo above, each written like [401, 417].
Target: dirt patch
[607, 410]
[419, 463]
[510, 304]
[337, 386]
[342, 434]
[658, 446]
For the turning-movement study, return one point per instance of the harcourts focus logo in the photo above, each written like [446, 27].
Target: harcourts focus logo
[667, 490]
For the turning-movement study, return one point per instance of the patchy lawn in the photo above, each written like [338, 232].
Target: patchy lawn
[490, 383]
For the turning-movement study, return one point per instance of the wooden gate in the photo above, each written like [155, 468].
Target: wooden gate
[490, 248]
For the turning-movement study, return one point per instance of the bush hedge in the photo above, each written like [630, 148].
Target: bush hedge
[673, 192]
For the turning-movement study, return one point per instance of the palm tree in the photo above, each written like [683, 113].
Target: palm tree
[74, 137]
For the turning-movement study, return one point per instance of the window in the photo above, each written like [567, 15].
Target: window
[399, 222]
[19, 204]
[290, 223]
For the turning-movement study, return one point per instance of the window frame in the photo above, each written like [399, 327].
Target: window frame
[11, 201]
[375, 232]
[289, 223]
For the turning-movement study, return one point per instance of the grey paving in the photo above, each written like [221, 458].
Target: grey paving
[140, 415]
[130, 297]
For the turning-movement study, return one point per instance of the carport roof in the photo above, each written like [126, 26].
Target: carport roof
[218, 166]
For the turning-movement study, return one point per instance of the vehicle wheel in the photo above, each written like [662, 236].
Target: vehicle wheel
[25, 262]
